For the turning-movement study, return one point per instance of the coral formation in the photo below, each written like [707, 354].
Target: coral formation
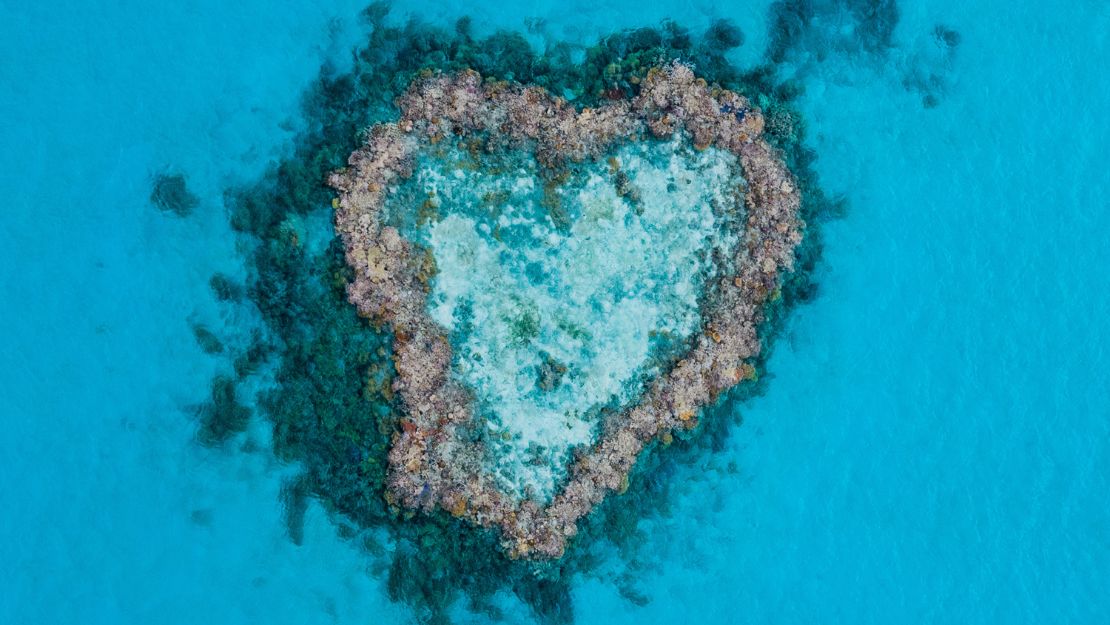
[432, 464]
[323, 375]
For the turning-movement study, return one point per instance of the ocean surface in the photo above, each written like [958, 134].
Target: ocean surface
[934, 446]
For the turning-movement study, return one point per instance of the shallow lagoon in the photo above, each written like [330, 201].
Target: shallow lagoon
[562, 297]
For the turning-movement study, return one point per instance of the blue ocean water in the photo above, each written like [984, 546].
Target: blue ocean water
[934, 445]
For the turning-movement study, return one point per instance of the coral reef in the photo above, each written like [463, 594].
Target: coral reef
[324, 374]
[431, 464]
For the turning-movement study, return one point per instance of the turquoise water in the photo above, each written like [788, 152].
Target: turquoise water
[933, 446]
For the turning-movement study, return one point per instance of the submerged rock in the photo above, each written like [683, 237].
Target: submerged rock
[171, 194]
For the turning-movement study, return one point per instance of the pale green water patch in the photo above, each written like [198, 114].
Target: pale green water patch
[564, 293]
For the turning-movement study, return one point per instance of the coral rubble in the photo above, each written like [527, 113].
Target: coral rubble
[432, 464]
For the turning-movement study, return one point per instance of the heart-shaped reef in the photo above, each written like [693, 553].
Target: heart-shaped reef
[563, 286]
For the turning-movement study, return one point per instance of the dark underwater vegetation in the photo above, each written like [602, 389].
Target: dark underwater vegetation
[825, 27]
[808, 32]
[171, 194]
[327, 372]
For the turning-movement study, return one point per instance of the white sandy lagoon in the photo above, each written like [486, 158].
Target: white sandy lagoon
[557, 314]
